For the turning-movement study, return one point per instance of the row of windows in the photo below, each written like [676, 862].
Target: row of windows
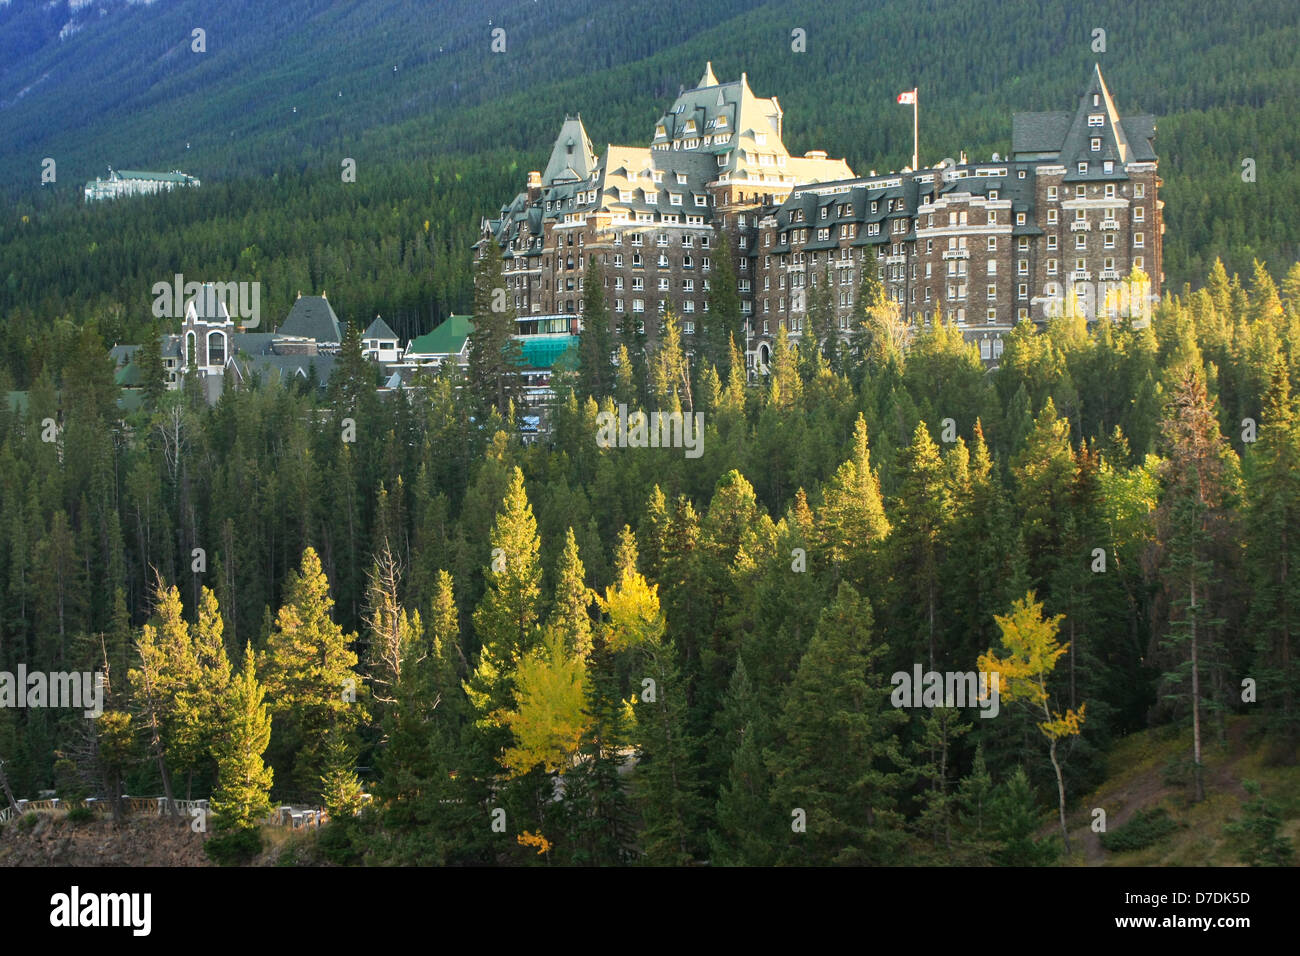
[1081, 191]
[688, 262]
[638, 284]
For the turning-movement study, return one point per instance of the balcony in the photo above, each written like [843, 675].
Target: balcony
[1081, 225]
[956, 253]
[895, 260]
[1108, 275]
[1110, 224]
[1080, 276]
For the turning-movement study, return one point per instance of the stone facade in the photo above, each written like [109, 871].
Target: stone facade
[1065, 222]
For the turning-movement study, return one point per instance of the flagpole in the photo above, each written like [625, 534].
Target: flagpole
[916, 105]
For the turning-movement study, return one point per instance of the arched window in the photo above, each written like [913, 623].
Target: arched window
[191, 357]
[216, 348]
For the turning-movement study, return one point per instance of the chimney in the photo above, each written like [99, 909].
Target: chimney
[963, 157]
[534, 185]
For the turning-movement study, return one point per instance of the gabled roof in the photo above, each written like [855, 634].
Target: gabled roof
[379, 329]
[283, 369]
[449, 338]
[122, 354]
[312, 317]
[572, 158]
[1068, 138]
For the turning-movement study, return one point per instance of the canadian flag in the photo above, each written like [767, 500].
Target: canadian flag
[908, 98]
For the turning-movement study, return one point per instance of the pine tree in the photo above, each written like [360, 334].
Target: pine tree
[242, 796]
[836, 755]
[1260, 841]
[153, 375]
[1273, 557]
[571, 615]
[821, 315]
[852, 518]
[941, 729]
[1189, 518]
[1015, 821]
[309, 673]
[506, 621]
[494, 354]
[924, 515]
[595, 345]
[670, 382]
[721, 323]
[747, 828]
[340, 787]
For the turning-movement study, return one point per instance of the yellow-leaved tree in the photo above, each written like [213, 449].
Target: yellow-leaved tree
[549, 719]
[1032, 651]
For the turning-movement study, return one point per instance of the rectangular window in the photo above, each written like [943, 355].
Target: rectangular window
[1139, 190]
[1096, 145]
[1083, 167]
[1051, 192]
[1139, 214]
[991, 292]
[1022, 291]
[1138, 239]
[992, 316]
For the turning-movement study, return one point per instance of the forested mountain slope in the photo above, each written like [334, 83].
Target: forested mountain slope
[295, 87]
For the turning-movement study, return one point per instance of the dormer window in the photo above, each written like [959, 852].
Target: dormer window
[1096, 99]
[720, 122]
[658, 176]
[1096, 119]
[681, 179]
[1096, 144]
[993, 194]
[1108, 166]
[1083, 167]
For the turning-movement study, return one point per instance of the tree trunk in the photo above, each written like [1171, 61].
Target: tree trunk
[1196, 707]
[4, 784]
[1060, 792]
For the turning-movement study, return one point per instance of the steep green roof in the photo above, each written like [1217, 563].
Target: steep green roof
[129, 375]
[447, 339]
